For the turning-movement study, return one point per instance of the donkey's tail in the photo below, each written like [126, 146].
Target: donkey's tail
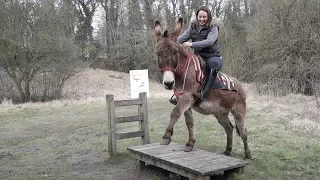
[239, 117]
[239, 126]
[237, 129]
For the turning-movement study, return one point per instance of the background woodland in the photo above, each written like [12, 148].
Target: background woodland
[273, 44]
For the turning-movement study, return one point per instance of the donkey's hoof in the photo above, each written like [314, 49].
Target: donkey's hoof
[165, 141]
[227, 152]
[248, 156]
[188, 148]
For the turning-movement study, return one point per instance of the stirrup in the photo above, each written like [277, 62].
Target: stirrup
[199, 96]
[173, 101]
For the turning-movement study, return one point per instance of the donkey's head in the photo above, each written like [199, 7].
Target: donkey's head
[167, 51]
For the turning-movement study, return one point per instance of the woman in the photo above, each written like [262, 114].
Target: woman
[204, 36]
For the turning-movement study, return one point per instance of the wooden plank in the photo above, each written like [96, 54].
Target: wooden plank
[190, 156]
[197, 162]
[223, 166]
[173, 158]
[164, 149]
[155, 156]
[199, 154]
[191, 165]
[193, 160]
[177, 153]
[146, 146]
[127, 102]
[112, 143]
[129, 135]
[182, 158]
[158, 150]
[173, 169]
[152, 156]
[166, 154]
[142, 148]
[125, 119]
[207, 164]
[171, 155]
[145, 123]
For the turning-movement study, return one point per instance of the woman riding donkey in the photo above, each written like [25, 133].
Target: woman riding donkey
[182, 73]
[204, 36]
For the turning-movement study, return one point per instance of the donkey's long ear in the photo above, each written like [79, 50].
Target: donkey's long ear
[157, 29]
[178, 28]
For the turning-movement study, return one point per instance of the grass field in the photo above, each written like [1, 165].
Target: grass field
[68, 139]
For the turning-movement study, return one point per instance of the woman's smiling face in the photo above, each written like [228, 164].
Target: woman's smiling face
[202, 18]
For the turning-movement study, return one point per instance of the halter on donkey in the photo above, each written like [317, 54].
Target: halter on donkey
[181, 74]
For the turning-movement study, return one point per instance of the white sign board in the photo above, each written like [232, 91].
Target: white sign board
[139, 82]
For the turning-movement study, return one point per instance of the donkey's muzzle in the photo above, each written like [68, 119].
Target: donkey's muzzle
[168, 84]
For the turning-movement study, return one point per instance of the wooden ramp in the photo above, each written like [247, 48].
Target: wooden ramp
[197, 164]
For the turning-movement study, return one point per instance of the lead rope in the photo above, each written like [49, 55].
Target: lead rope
[185, 76]
[184, 79]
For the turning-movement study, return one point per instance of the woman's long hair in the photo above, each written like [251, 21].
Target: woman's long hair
[207, 10]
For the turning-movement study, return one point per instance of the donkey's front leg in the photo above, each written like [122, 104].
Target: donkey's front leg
[184, 104]
[190, 123]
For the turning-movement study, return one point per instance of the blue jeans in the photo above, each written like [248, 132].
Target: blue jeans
[214, 63]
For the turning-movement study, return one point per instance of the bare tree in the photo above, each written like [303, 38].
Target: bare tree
[285, 41]
[170, 13]
[84, 34]
[148, 13]
[111, 15]
[34, 42]
[217, 7]
[246, 7]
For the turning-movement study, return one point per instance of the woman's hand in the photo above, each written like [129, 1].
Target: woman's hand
[187, 44]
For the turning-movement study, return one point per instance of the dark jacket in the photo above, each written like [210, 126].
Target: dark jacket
[202, 44]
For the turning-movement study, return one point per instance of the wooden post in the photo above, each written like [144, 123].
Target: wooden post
[145, 123]
[142, 165]
[112, 143]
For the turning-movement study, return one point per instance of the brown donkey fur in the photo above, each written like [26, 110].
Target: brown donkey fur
[182, 77]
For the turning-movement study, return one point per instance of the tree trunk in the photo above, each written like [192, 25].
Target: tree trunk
[246, 8]
[18, 83]
[27, 91]
[148, 13]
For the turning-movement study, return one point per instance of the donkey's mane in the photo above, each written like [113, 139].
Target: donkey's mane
[182, 50]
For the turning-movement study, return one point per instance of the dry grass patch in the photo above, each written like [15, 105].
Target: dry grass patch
[300, 113]
[97, 83]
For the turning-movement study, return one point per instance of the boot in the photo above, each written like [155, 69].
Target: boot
[204, 91]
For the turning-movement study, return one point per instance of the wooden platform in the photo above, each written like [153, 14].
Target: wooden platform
[197, 164]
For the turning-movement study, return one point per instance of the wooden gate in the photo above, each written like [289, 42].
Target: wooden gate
[142, 117]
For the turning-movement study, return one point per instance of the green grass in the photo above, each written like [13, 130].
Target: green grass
[70, 142]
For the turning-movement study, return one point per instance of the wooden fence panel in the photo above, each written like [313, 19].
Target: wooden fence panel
[142, 117]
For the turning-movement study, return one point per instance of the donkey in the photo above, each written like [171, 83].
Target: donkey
[181, 72]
